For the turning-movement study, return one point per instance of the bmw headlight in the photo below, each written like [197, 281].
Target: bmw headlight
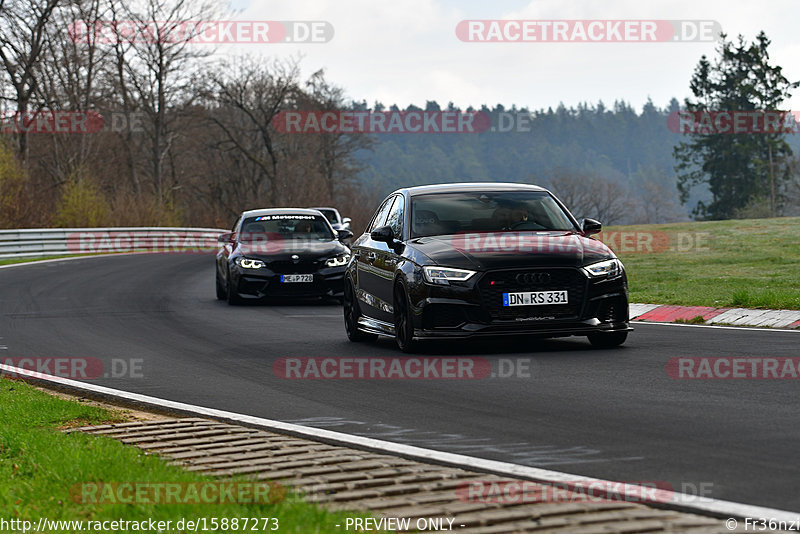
[247, 263]
[604, 268]
[338, 261]
[444, 275]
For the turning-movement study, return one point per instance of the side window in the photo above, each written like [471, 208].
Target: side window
[380, 216]
[395, 217]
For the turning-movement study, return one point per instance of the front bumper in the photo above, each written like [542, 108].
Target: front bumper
[475, 310]
[265, 283]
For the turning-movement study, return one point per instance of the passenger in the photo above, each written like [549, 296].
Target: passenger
[502, 218]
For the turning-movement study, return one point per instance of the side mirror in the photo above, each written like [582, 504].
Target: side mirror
[344, 234]
[346, 221]
[590, 226]
[225, 238]
[383, 233]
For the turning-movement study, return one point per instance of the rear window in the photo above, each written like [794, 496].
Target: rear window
[330, 215]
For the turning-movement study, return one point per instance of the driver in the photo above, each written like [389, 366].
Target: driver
[304, 227]
[518, 215]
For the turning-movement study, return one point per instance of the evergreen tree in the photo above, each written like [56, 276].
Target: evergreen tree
[738, 168]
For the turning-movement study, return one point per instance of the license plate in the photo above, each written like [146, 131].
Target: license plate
[293, 278]
[535, 298]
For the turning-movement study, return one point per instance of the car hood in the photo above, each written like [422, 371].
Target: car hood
[494, 250]
[284, 250]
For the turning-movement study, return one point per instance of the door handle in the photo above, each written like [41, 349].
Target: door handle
[371, 256]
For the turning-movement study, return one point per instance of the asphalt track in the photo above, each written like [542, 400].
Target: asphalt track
[612, 414]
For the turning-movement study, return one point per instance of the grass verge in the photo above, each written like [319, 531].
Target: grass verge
[10, 261]
[752, 263]
[42, 470]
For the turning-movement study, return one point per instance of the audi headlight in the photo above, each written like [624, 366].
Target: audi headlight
[247, 263]
[444, 275]
[604, 268]
[338, 261]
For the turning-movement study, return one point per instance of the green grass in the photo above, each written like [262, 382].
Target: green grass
[694, 320]
[753, 263]
[10, 261]
[39, 465]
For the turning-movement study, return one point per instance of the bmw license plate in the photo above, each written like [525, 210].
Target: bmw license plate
[535, 298]
[293, 278]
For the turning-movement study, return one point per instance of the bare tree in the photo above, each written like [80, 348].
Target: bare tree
[658, 204]
[335, 152]
[589, 195]
[23, 32]
[250, 94]
[155, 71]
[70, 80]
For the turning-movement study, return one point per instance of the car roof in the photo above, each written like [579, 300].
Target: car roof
[468, 187]
[324, 208]
[281, 211]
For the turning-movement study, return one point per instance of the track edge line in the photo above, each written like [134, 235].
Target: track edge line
[681, 502]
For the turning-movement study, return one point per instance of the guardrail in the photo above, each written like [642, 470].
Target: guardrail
[62, 241]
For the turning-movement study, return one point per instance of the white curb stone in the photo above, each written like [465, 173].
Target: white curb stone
[640, 309]
[737, 316]
[778, 318]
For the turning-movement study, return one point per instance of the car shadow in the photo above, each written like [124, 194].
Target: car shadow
[481, 346]
[283, 302]
[503, 345]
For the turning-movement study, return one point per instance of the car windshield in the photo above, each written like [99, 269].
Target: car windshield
[285, 226]
[486, 211]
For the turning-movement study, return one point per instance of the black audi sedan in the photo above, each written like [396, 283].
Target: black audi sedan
[286, 252]
[476, 259]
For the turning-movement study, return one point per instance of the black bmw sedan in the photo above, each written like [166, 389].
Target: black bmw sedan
[283, 252]
[472, 259]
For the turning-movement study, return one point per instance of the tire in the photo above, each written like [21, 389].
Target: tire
[222, 293]
[233, 296]
[352, 313]
[608, 340]
[403, 325]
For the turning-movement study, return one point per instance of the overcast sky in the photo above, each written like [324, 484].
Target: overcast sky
[407, 51]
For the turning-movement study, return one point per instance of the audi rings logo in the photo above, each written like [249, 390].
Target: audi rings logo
[533, 278]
